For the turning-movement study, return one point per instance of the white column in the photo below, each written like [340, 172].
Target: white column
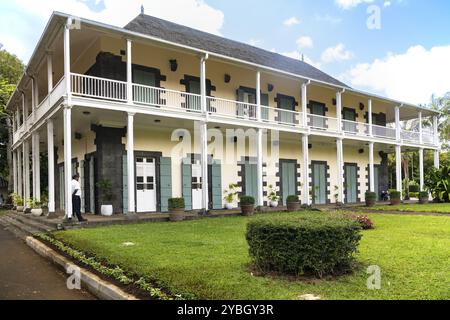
[421, 172]
[33, 94]
[436, 159]
[24, 112]
[36, 94]
[68, 160]
[340, 170]
[371, 168]
[305, 104]
[36, 166]
[26, 170]
[339, 110]
[67, 62]
[305, 176]
[204, 133]
[259, 148]
[129, 73]
[370, 118]
[435, 130]
[49, 72]
[19, 171]
[51, 166]
[14, 154]
[130, 163]
[398, 167]
[420, 128]
[397, 124]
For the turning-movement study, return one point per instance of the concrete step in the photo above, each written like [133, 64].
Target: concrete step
[16, 231]
[21, 226]
[28, 220]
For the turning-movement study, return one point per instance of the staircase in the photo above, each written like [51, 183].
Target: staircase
[26, 225]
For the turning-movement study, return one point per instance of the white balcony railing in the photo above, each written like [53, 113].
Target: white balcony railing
[101, 88]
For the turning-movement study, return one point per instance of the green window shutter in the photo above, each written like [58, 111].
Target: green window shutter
[216, 184]
[264, 103]
[187, 183]
[145, 78]
[288, 180]
[251, 181]
[240, 108]
[125, 183]
[165, 182]
[194, 102]
[350, 184]
[319, 183]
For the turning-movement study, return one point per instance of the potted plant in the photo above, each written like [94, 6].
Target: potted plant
[424, 197]
[230, 196]
[247, 205]
[293, 203]
[272, 196]
[336, 196]
[106, 197]
[36, 207]
[17, 201]
[371, 198]
[395, 197]
[176, 209]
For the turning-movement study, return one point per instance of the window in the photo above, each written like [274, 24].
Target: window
[286, 105]
[318, 120]
[145, 91]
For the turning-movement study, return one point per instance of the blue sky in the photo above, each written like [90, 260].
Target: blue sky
[411, 45]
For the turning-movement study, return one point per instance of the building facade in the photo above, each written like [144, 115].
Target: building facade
[160, 110]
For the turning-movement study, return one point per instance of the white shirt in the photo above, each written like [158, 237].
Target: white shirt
[76, 186]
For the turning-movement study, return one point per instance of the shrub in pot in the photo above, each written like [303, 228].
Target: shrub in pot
[230, 196]
[293, 203]
[176, 209]
[17, 201]
[272, 196]
[371, 198]
[304, 244]
[36, 207]
[247, 205]
[424, 197]
[395, 197]
[106, 197]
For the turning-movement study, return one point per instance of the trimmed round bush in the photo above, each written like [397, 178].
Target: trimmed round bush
[176, 203]
[371, 196]
[247, 200]
[308, 244]
[292, 198]
[394, 194]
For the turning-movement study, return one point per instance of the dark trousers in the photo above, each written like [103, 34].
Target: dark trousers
[76, 207]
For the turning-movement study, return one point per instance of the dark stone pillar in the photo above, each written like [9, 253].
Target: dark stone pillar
[384, 173]
[109, 162]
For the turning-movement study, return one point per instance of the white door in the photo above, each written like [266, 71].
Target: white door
[145, 185]
[197, 186]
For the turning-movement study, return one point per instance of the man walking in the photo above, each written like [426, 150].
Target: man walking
[76, 197]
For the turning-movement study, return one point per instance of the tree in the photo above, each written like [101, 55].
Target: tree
[11, 69]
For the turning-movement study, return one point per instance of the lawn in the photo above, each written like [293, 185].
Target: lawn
[209, 258]
[432, 207]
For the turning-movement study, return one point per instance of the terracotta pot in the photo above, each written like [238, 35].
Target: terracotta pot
[293, 206]
[177, 214]
[395, 202]
[370, 202]
[248, 209]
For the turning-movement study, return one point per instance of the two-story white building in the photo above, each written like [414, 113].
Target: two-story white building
[161, 110]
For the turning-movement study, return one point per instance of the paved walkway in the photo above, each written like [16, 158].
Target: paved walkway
[24, 275]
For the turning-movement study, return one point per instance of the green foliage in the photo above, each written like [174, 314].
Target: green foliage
[438, 183]
[413, 187]
[16, 199]
[247, 200]
[272, 194]
[34, 204]
[106, 193]
[394, 194]
[176, 203]
[423, 194]
[371, 195]
[316, 244]
[292, 198]
[414, 194]
[230, 193]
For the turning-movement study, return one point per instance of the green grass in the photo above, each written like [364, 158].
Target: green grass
[3, 212]
[431, 207]
[209, 258]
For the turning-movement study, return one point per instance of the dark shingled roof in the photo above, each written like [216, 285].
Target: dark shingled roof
[176, 33]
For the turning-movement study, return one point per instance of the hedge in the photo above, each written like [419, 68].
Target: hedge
[315, 244]
[176, 203]
[247, 200]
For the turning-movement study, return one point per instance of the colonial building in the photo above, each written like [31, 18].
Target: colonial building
[160, 110]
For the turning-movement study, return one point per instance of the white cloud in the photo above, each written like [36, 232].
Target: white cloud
[305, 42]
[348, 4]
[194, 13]
[411, 76]
[291, 22]
[336, 54]
[295, 54]
[327, 18]
[255, 42]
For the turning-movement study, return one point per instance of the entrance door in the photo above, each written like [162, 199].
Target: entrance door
[247, 110]
[318, 115]
[288, 180]
[349, 117]
[319, 183]
[197, 186]
[351, 181]
[251, 181]
[145, 185]
[144, 94]
[288, 104]
[376, 173]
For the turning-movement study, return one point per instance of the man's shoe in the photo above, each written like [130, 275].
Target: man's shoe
[82, 220]
[67, 220]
